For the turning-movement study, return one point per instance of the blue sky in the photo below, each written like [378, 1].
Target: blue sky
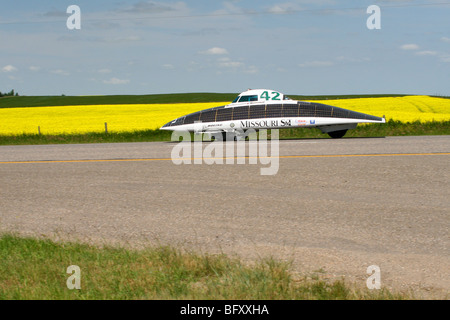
[297, 47]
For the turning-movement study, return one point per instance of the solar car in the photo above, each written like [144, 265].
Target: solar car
[269, 109]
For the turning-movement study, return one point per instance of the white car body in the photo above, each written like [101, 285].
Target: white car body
[269, 109]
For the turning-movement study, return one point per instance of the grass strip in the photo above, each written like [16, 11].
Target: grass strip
[391, 128]
[33, 268]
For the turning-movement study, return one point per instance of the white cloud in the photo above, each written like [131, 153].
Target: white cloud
[251, 70]
[215, 51]
[282, 8]
[153, 7]
[426, 53]
[9, 68]
[168, 66]
[410, 46]
[56, 14]
[60, 72]
[228, 63]
[106, 70]
[231, 64]
[445, 57]
[314, 64]
[34, 68]
[193, 66]
[116, 81]
[442, 56]
[117, 39]
[351, 59]
[277, 9]
[229, 8]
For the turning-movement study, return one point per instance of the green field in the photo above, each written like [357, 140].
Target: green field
[37, 269]
[43, 101]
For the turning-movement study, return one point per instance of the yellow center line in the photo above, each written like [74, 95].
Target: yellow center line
[225, 158]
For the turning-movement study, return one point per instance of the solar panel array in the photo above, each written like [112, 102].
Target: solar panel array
[263, 111]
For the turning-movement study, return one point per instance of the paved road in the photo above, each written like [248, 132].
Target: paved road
[334, 205]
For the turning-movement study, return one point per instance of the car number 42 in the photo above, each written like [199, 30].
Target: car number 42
[273, 95]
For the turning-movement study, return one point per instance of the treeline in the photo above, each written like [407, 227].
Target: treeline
[9, 94]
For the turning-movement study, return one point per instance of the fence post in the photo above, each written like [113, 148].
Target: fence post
[106, 127]
[39, 130]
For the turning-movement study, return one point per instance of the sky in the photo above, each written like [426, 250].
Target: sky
[298, 47]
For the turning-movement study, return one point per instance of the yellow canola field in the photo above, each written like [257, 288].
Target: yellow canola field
[120, 118]
[405, 109]
[92, 118]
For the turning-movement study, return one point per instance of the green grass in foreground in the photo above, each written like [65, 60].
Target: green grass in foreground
[36, 269]
[391, 128]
